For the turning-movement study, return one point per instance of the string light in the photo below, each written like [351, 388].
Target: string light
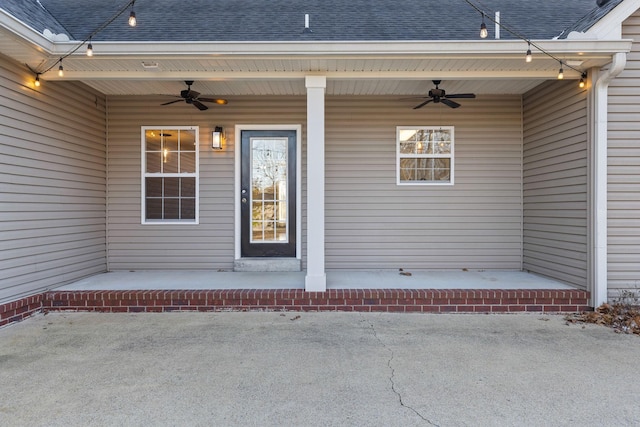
[528, 56]
[560, 72]
[483, 34]
[483, 29]
[89, 52]
[132, 16]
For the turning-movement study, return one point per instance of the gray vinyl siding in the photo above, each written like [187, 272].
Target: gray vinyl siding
[371, 223]
[52, 183]
[209, 244]
[624, 171]
[555, 182]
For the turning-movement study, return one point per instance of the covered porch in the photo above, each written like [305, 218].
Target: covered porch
[525, 192]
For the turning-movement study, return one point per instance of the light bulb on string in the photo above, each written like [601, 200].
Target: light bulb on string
[132, 16]
[89, 49]
[528, 57]
[60, 70]
[483, 29]
[560, 72]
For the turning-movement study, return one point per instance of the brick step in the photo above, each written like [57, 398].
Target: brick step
[15, 311]
[361, 300]
[391, 300]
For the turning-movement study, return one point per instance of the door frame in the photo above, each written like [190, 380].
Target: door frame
[238, 185]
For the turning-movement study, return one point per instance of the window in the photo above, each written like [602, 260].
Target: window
[425, 155]
[170, 175]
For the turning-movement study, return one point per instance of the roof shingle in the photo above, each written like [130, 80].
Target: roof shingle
[34, 14]
[330, 20]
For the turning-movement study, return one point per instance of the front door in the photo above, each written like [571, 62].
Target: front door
[268, 193]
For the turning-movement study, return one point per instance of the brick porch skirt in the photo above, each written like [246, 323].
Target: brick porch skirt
[361, 300]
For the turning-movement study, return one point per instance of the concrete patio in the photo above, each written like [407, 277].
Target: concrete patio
[315, 369]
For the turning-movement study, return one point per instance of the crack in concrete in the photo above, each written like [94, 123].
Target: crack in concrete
[391, 377]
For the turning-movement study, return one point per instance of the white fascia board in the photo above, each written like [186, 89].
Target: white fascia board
[610, 26]
[551, 73]
[443, 49]
[25, 32]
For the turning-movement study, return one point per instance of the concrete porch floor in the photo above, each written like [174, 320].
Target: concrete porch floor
[206, 280]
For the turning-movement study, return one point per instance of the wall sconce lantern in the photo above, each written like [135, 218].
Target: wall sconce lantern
[217, 136]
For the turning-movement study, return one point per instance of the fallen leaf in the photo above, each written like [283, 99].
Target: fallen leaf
[622, 318]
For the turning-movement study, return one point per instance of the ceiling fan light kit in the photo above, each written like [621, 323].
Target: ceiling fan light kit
[438, 95]
[192, 97]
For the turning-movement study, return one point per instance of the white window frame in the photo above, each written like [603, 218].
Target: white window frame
[450, 155]
[144, 175]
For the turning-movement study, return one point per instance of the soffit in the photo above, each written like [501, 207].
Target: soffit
[297, 87]
[358, 75]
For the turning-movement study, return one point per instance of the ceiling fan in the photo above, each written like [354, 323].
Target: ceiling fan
[192, 97]
[438, 95]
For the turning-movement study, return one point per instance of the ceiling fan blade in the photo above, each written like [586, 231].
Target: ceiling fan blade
[423, 104]
[414, 97]
[451, 104]
[192, 94]
[199, 105]
[218, 101]
[461, 95]
[172, 102]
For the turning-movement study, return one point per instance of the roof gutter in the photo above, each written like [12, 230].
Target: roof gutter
[442, 48]
[599, 276]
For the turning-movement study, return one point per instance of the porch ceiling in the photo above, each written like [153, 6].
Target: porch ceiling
[282, 75]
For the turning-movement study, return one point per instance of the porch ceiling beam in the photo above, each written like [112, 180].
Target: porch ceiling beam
[550, 73]
[465, 48]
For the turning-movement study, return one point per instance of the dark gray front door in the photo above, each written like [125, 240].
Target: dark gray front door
[268, 193]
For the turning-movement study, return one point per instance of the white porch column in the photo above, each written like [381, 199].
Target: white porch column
[599, 180]
[316, 279]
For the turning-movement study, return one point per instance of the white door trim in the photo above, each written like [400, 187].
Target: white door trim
[237, 187]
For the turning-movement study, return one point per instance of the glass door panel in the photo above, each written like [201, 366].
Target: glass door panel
[268, 189]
